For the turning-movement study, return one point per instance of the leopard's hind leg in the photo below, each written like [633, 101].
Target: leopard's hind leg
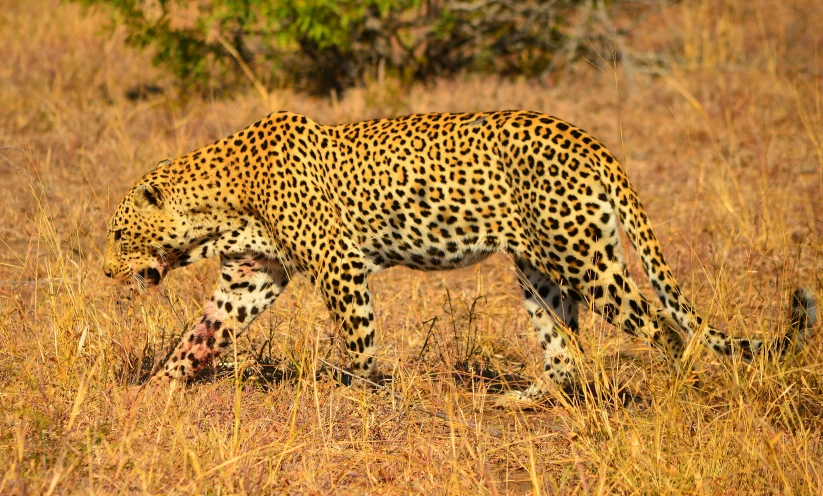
[554, 315]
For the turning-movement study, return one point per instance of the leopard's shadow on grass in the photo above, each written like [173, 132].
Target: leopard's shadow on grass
[266, 373]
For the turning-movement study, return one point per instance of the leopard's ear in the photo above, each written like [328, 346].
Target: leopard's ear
[162, 163]
[147, 197]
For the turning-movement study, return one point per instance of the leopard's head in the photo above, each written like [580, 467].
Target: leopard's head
[145, 235]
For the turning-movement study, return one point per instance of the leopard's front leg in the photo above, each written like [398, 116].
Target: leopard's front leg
[247, 287]
[345, 286]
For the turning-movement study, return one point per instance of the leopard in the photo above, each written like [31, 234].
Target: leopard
[437, 191]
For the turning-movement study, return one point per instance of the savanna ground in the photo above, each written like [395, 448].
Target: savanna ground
[724, 143]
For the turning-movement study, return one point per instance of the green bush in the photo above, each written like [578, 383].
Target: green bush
[332, 44]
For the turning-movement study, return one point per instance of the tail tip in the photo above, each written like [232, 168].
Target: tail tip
[804, 309]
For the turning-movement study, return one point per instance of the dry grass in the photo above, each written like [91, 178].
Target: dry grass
[725, 146]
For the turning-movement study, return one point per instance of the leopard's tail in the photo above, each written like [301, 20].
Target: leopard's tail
[625, 202]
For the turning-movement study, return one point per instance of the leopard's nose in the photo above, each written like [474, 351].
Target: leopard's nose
[107, 270]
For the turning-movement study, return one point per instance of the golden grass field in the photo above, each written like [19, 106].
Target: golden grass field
[724, 144]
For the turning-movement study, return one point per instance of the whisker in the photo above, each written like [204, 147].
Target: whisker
[140, 281]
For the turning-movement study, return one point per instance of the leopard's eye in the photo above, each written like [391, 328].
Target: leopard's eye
[118, 234]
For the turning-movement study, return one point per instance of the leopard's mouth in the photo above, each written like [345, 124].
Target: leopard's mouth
[149, 276]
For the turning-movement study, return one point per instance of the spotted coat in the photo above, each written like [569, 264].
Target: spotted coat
[436, 191]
